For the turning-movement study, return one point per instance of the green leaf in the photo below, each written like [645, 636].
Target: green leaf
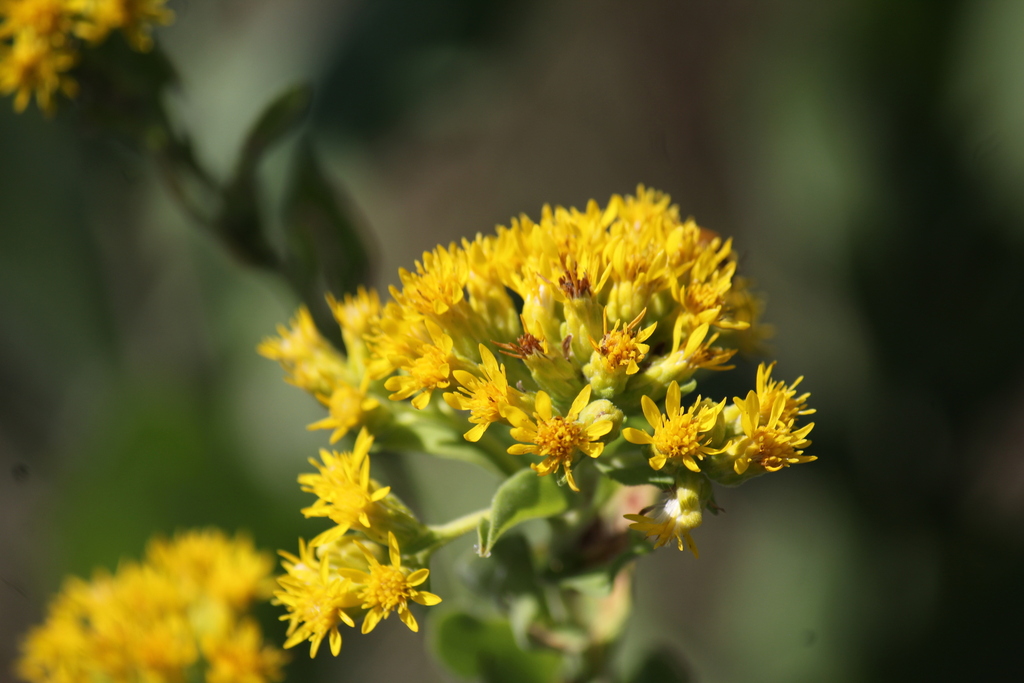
[522, 497]
[474, 648]
[325, 251]
[280, 117]
[425, 436]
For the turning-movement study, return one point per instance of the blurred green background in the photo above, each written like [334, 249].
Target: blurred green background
[867, 156]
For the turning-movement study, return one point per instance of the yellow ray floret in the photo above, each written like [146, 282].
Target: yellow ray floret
[51, 20]
[769, 442]
[345, 493]
[169, 618]
[34, 66]
[310, 361]
[429, 368]
[485, 398]
[674, 517]
[767, 390]
[316, 598]
[555, 438]
[387, 588]
[623, 348]
[349, 408]
[135, 18]
[681, 437]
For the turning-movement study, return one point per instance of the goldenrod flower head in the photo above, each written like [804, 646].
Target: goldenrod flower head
[34, 65]
[135, 18]
[316, 598]
[555, 438]
[623, 348]
[767, 391]
[674, 517]
[47, 19]
[387, 588]
[349, 408]
[681, 437]
[207, 562]
[356, 315]
[150, 621]
[429, 368]
[345, 493]
[485, 398]
[239, 656]
[310, 361]
[437, 285]
[771, 442]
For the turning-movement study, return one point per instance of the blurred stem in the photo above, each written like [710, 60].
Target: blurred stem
[441, 535]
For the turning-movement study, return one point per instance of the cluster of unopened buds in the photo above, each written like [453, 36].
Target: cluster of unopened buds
[563, 354]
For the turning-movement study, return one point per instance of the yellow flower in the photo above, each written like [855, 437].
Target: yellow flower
[151, 621]
[207, 562]
[345, 493]
[310, 361]
[384, 588]
[767, 390]
[623, 348]
[356, 315]
[674, 517]
[135, 18]
[485, 398]
[48, 19]
[429, 369]
[33, 65]
[316, 600]
[239, 656]
[437, 285]
[555, 438]
[349, 408]
[678, 436]
[768, 442]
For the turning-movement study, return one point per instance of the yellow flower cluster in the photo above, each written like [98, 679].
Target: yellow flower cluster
[40, 41]
[179, 615]
[603, 316]
[339, 577]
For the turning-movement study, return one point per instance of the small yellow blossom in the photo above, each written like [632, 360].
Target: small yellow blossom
[768, 442]
[310, 361]
[316, 598]
[384, 588]
[51, 20]
[208, 562]
[135, 18]
[625, 347]
[349, 408]
[239, 656]
[674, 517]
[767, 390]
[159, 620]
[485, 398]
[345, 493]
[555, 438]
[33, 65]
[430, 370]
[678, 436]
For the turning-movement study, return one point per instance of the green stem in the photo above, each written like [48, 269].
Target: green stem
[446, 533]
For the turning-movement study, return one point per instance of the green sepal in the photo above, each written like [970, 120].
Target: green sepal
[487, 651]
[522, 497]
